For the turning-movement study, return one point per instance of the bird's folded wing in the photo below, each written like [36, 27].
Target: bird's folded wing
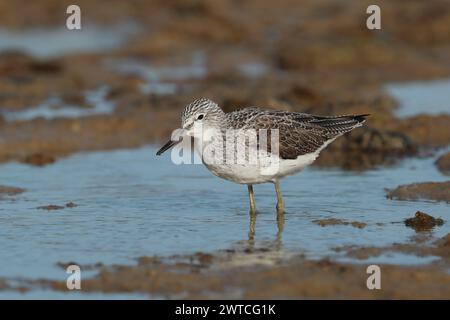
[299, 133]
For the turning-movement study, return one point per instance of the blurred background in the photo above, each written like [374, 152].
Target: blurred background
[82, 111]
[122, 79]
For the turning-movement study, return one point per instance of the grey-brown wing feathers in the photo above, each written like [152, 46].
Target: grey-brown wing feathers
[299, 133]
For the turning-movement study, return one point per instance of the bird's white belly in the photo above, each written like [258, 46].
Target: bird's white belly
[254, 173]
[263, 170]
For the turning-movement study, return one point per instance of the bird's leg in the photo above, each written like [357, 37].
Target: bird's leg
[251, 229]
[251, 196]
[280, 225]
[280, 203]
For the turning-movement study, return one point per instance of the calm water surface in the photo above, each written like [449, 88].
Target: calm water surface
[54, 42]
[419, 97]
[51, 108]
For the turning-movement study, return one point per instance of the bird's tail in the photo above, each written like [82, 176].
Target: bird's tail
[340, 124]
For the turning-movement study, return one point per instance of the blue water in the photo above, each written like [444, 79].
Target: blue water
[51, 108]
[161, 80]
[421, 97]
[132, 203]
[54, 42]
[72, 295]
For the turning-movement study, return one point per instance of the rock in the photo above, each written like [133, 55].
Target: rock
[427, 131]
[333, 221]
[443, 163]
[10, 191]
[423, 222]
[50, 207]
[71, 205]
[439, 191]
[39, 159]
[57, 207]
[3, 284]
[444, 242]
[372, 139]
[45, 67]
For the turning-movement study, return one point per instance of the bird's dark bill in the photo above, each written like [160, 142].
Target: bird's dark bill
[167, 146]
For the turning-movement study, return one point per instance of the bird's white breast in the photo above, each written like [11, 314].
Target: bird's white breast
[265, 170]
[253, 174]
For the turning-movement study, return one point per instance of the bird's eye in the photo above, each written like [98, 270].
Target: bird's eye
[200, 117]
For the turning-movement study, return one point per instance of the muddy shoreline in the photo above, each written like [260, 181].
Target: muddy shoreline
[269, 272]
[266, 274]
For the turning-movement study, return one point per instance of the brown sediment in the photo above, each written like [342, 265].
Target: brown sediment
[225, 275]
[427, 131]
[354, 160]
[10, 191]
[50, 207]
[423, 222]
[65, 265]
[438, 191]
[59, 137]
[421, 247]
[444, 244]
[365, 148]
[334, 222]
[4, 284]
[443, 163]
[70, 205]
[24, 85]
[57, 207]
[39, 159]
[267, 274]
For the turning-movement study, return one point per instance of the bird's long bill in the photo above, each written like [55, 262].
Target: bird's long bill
[167, 146]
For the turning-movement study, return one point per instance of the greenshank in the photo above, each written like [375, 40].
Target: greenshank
[300, 139]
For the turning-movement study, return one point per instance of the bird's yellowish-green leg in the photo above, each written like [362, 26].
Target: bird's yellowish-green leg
[251, 229]
[280, 203]
[251, 197]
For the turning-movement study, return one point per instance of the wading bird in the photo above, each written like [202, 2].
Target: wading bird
[301, 137]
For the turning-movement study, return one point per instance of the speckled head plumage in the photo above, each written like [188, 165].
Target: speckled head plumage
[204, 110]
[202, 113]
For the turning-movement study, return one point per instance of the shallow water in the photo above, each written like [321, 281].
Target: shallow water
[161, 79]
[72, 295]
[254, 69]
[417, 97]
[132, 203]
[51, 108]
[393, 258]
[49, 43]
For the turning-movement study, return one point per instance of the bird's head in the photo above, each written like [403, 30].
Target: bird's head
[199, 115]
